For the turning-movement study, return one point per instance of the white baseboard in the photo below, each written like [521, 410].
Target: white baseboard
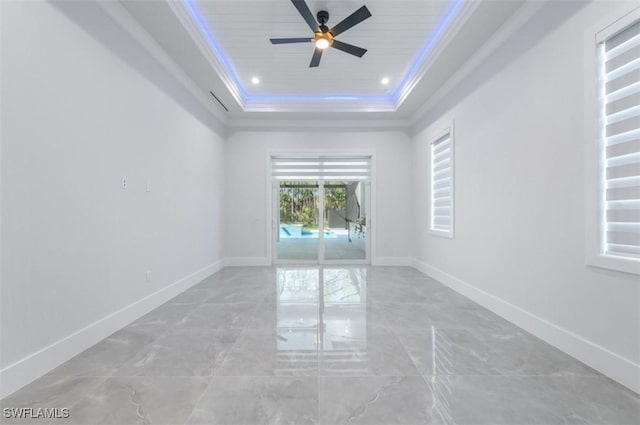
[391, 261]
[31, 367]
[246, 261]
[618, 368]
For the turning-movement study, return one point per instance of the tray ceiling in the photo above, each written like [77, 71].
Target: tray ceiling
[394, 36]
[417, 45]
[399, 36]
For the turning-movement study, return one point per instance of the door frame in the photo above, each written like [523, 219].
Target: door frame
[273, 210]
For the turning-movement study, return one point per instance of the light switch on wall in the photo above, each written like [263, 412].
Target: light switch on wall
[124, 182]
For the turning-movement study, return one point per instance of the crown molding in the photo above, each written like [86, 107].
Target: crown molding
[503, 34]
[321, 105]
[121, 16]
[196, 31]
[467, 9]
[401, 125]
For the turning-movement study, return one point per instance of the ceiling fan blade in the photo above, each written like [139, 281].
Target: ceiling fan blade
[349, 48]
[351, 20]
[290, 40]
[306, 14]
[315, 60]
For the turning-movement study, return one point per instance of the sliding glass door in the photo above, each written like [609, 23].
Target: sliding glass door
[298, 236]
[320, 208]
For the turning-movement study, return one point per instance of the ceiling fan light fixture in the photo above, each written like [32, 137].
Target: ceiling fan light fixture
[322, 43]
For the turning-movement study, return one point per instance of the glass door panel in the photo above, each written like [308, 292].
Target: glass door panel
[345, 220]
[297, 236]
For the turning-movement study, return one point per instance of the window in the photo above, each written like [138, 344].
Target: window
[351, 168]
[618, 91]
[441, 172]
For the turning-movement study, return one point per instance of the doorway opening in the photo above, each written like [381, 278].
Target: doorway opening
[320, 209]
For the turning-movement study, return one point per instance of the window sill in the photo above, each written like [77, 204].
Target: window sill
[440, 233]
[618, 264]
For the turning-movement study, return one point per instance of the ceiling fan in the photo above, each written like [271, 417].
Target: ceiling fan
[323, 36]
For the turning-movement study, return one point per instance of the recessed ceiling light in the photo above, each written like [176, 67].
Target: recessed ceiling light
[255, 80]
[385, 81]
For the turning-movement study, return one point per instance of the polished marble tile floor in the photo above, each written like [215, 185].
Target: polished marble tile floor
[329, 345]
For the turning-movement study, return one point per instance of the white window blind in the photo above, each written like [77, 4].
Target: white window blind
[619, 57]
[349, 168]
[442, 185]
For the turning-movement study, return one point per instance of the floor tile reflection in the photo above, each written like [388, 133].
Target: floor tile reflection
[325, 345]
[291, 352]
[535, 400]
[373, 352]
[486, 352]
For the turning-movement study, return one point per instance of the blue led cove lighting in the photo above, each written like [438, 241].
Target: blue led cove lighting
[204, 29]
[248, 98]
[442, 25]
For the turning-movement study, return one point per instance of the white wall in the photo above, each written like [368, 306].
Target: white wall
[75, 246]
[246, 197]
[519, 218]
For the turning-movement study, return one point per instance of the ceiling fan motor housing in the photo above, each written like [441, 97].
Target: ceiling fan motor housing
[323, 17]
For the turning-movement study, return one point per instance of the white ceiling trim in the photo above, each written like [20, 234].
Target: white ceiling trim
[432, 54]
[327, 104]
[401, 125]
[503, 34]
[455, 17]
[120, 15]
[192, 27]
